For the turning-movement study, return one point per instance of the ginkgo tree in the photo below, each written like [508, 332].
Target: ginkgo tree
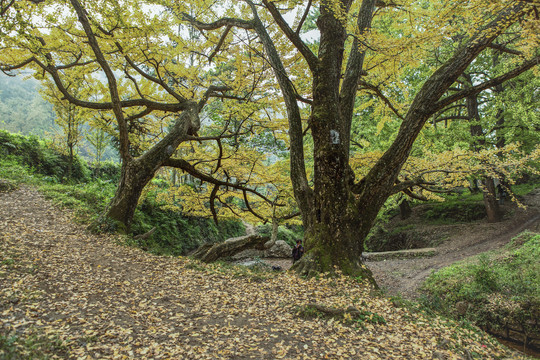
[148, 83]
[356, 49]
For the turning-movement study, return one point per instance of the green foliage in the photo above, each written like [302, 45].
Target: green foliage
[287, 233]
[88, 199]
[107, 170]
[30, 151]
[35, 346]
[456, 210]
[12, 170]
[525, 188]
[497, 288]
[175, 233]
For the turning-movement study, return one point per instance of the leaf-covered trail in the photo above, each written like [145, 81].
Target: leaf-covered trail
[96, 299]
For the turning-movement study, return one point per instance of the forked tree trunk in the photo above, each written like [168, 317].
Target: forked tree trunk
[137, 173]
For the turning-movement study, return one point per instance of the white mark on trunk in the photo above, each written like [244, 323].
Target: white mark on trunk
[334, 137]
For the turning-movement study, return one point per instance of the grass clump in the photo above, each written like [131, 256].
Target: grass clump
[34, 345]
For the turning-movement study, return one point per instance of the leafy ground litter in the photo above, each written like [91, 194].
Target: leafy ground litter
[68, 294]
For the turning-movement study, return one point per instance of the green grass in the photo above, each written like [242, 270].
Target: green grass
[496, 287]
[14, 171]
[35, 346]
[456, 210]
[88, 200]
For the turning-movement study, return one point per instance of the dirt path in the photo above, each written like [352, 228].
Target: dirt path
[404, 276]
[73, 295]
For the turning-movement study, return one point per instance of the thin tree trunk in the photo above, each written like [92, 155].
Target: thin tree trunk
[478, 142]
[490, 201]
[70, 162]
[275, 228]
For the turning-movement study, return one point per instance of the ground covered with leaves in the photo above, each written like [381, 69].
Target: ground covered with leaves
[68, 294]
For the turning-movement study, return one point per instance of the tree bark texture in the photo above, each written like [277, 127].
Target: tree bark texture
[493, 210]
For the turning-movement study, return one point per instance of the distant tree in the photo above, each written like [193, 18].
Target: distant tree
[22, 109]
[99, 139]
[69, 118]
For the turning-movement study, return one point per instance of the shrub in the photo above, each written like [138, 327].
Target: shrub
[456, 211]
[287, 233]
[32, 152]
[177, 234]
[107, 170]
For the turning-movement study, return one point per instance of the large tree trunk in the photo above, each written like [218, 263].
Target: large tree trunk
[134, 177]
[337, 226]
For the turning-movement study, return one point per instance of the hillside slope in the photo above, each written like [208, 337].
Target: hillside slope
[456, 242]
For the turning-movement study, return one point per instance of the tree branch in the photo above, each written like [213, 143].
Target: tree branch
[220, 43]
[190, 169]
[302, 191]
[5, 8]
[228, 22]
[486, 85]
[503, 48]
[111, 79]
[381, 96]
[355, 65]
[304, 17]
[293, 37]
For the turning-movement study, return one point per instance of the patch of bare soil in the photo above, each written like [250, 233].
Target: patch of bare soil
[404, 276]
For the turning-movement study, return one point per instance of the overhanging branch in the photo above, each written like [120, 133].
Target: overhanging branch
[486, 85]
[190, 169]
